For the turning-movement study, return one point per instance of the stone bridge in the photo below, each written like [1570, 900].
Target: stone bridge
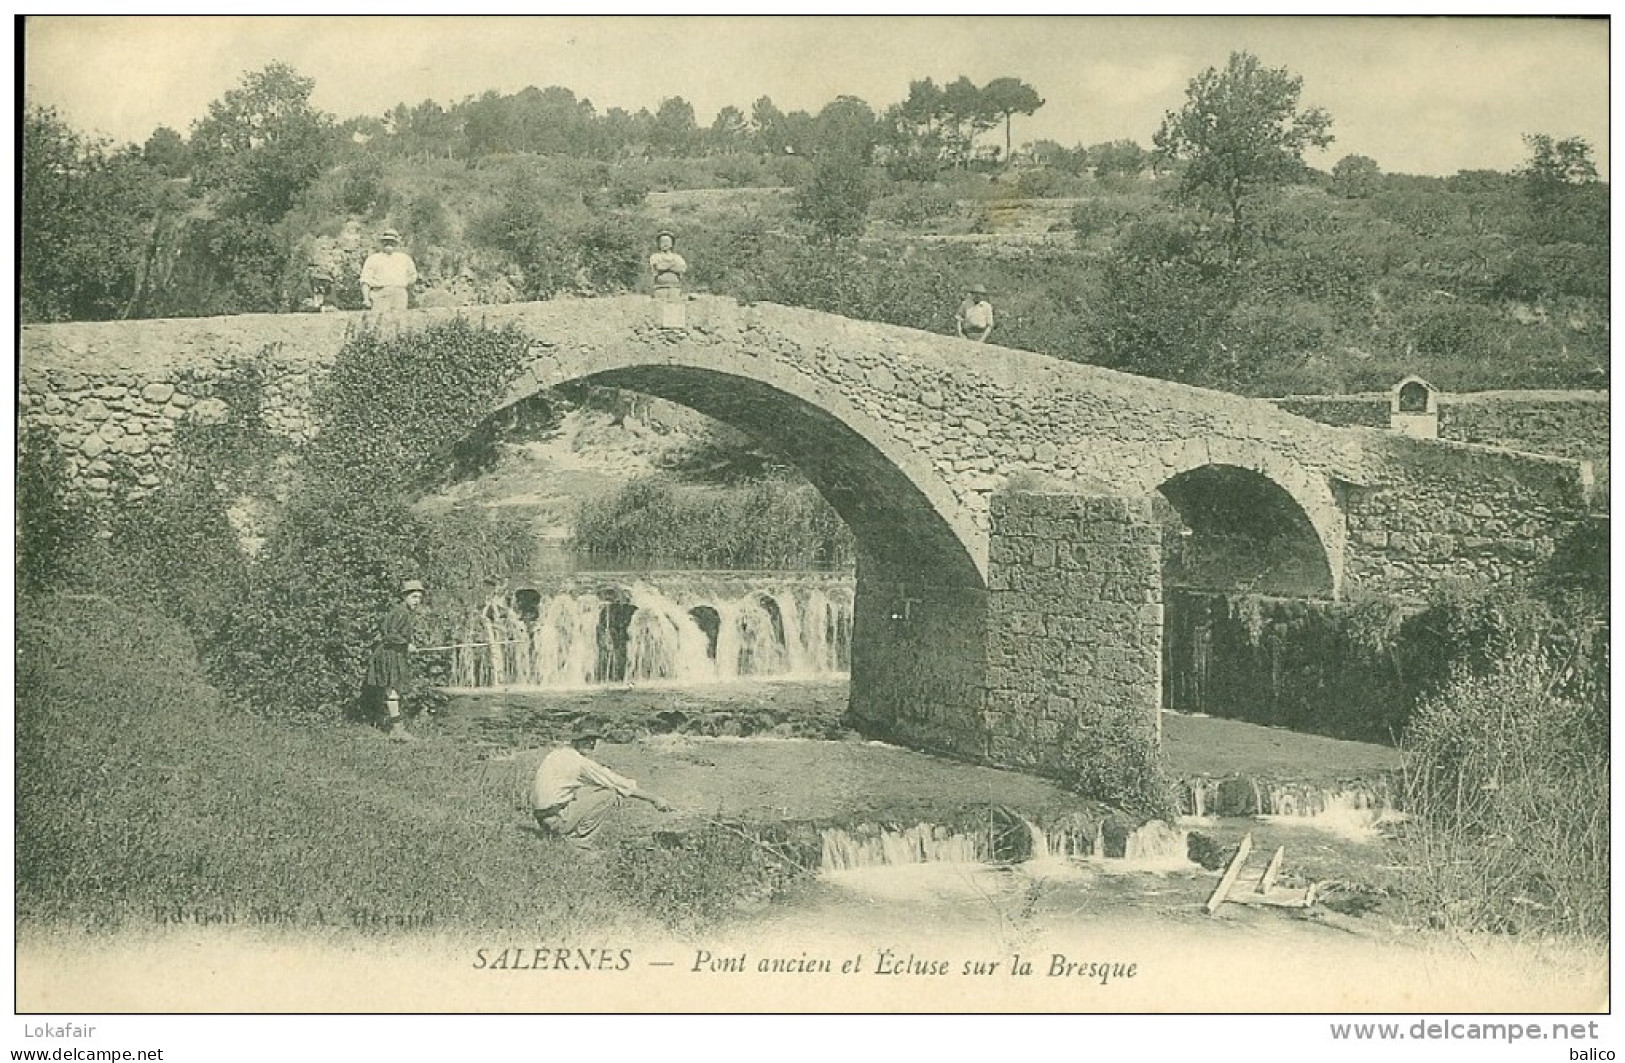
[1016, 515]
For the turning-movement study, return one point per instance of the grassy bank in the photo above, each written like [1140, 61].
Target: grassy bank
[142, 798]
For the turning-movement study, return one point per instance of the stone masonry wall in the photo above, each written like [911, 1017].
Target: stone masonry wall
[1567, 424]
[919, 661]
[1074, 629]
[961, 418]
[112, 408]
[1435, 510]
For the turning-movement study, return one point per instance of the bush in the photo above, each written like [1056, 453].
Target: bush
[834, 202]
[51, 530]
[1099, 217]
[771, 524]
[391, 412]
[297, 645]
[693, 881]
[1115, 758]
[363, 189]
[1507, 783]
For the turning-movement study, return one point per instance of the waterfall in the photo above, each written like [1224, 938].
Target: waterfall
[1153, 846]
[657, 628]
[921, 844]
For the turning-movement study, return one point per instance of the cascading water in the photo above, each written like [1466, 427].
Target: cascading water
[1152, 846]
[1350, 808]
[658, 628]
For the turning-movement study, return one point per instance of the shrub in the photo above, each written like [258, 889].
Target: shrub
[51, 530]
[298, 643]
[175, 551]
[427, 221]
[1099, 217]
[771, 524]
[1115, 758]
[693, 881]
[391, 412]
[363, 189]
[1507, 783]
[913, 207]
[834, 202]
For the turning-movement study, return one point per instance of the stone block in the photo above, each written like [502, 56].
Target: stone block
[93, 410]
[158, 393]
[211, 411]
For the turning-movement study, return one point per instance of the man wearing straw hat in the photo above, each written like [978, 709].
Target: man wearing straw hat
[975, 317]
[389, 670]
[387, 275]
[572, 794]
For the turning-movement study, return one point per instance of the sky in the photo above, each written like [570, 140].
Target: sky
[1418, 95]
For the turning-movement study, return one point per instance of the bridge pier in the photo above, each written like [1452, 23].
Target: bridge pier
[1055, 667]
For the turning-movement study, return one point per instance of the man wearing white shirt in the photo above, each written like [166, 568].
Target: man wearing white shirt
[975, 317]
[387, 275]
[572, 794]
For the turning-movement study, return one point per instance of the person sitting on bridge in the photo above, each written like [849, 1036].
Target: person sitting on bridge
[389, 672]
[387, 275]
[975, 317]
[573, 795]
[668, 267]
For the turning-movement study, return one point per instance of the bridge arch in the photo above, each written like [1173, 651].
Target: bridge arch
[1280, 525]
[903, 515]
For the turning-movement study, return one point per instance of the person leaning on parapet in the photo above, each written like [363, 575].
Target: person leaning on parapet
[667, 266]
[573, 795]
[389, 671]
[387, 275]
[975, 317]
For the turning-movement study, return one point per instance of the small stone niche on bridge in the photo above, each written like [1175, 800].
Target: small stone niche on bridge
[1413, 408]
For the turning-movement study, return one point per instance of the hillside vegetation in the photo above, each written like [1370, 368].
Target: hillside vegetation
[1208, 260]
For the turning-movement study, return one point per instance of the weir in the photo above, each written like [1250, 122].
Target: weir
[682, 628]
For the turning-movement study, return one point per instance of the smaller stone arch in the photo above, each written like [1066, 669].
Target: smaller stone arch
[1287, 517]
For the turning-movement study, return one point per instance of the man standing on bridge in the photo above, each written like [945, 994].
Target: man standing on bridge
[387, 275]
[975, 317]
[572, 794]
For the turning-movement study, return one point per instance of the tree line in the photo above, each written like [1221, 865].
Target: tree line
[1215, 256]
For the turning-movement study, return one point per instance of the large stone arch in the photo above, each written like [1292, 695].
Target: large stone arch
[1262, 492]
[904, 517]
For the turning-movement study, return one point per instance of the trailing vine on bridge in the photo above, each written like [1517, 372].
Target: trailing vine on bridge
[389, 417]
[394, 406]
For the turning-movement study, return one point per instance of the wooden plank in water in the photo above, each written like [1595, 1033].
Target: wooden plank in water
[1267, 881]
[1278, 898]
[1231, 873]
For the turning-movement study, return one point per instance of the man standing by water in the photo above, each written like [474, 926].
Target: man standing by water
[573, 795]
[387, 275]
[389, 671]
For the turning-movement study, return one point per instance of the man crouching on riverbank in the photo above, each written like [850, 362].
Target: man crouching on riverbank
[573, 795]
